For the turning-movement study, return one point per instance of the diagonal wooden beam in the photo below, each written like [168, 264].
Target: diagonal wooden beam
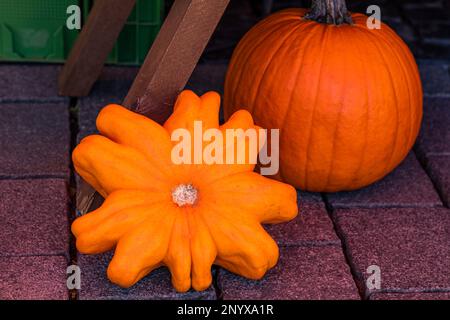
[167, 68]
[173, 56]
[95, 42]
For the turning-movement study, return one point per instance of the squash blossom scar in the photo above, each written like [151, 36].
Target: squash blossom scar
[184, 194]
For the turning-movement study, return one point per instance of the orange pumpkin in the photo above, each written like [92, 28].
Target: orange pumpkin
[184, 216]
[347, 99]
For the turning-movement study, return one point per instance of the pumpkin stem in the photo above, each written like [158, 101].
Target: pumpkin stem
[330, 12]
[184, 194]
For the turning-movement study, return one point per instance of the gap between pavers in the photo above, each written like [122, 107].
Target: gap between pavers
[312, 264]
[410, 245]
[433, 144]
[434, 136]
[34, 169]
[438, 168]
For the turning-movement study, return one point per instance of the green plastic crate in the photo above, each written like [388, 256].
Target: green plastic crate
[32, 30]
[138, 33]
[35, 30]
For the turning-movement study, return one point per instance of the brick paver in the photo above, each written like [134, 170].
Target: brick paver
[35, 139]
[112, 87]
[434, 137]
[34, 172]
[407, 186]
[33, 278]
[95, 285]
[33, 217]
[301, 273]
[435, 78]
[311, 235]
[208, 77]
[312, 226]
[33, 82]
[411, 246]
[439, 169]
[398, 223]
[431, 22]
[405, 31]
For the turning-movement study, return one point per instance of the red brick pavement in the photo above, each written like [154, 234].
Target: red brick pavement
[400, 223]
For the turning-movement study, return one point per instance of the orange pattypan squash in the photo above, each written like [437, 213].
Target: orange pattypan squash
[183, 216]
[347, 98]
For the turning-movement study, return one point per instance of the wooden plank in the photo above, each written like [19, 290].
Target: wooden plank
[87, 199]
[95, 42]
[167, 68]
[173, 56]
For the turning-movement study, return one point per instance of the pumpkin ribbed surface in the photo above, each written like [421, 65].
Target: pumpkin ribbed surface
[347, 99]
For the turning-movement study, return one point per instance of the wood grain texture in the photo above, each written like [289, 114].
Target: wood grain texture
[97, 39]
[173, 56]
